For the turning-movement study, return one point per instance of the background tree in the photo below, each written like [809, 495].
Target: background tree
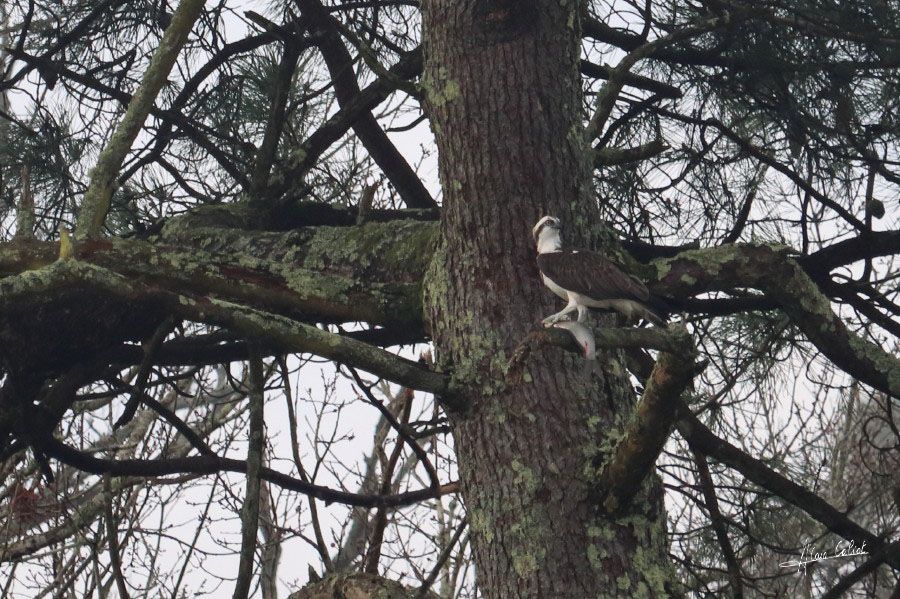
[202, 202]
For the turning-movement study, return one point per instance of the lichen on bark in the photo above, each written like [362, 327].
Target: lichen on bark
[525, 451]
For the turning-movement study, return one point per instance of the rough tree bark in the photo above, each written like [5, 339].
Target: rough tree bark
[504, 97]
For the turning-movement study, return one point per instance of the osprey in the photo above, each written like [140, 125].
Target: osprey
[589, 280]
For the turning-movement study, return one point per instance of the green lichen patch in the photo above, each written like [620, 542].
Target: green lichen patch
[439, 88]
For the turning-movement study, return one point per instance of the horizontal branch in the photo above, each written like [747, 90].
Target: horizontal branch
[296, 337]
[370, 273]
[629, 338]
[288, 335]
[373, 273]
[871, 244]
[664, 90]
[783, 280]
[207, 464]
[614, 156]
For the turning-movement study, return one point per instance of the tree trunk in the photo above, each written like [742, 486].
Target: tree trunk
[504, 95]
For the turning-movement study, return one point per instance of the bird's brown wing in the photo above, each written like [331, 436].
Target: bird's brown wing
[592, 275]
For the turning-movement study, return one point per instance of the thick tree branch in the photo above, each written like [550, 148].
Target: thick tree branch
[346, 89]
[281, 332]
[870, 244]
[370, 273]
[648, 428]
[373, 273]
[105, 174]
[606, 338]
[296, 337]
[781, 279]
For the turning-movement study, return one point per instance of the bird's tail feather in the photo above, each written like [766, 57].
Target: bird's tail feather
[657, 310]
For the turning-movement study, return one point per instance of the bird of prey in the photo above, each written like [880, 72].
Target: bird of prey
[589, 280]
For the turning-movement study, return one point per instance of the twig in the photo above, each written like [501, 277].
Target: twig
[321, 546]
[441, 560]
[374, 553]
[402, 429]
[718, 523]
[137, 391]
[113, 540]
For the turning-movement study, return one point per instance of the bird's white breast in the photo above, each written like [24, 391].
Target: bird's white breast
[554, 287]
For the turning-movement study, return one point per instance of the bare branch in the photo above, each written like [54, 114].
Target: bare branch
[718, 523]
[250, 508]
[614, 156]
[112, 539]
[104, 176]
[441, 560]
[214, 464]
[701, 438]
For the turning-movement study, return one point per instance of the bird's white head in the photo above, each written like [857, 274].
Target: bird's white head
[547, 234]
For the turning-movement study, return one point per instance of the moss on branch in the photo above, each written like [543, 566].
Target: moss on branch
[269, 328]
[778, 276]
[649, 426]
[371, 273]
[104, 175]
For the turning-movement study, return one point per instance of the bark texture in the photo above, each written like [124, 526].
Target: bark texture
[503, 92]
